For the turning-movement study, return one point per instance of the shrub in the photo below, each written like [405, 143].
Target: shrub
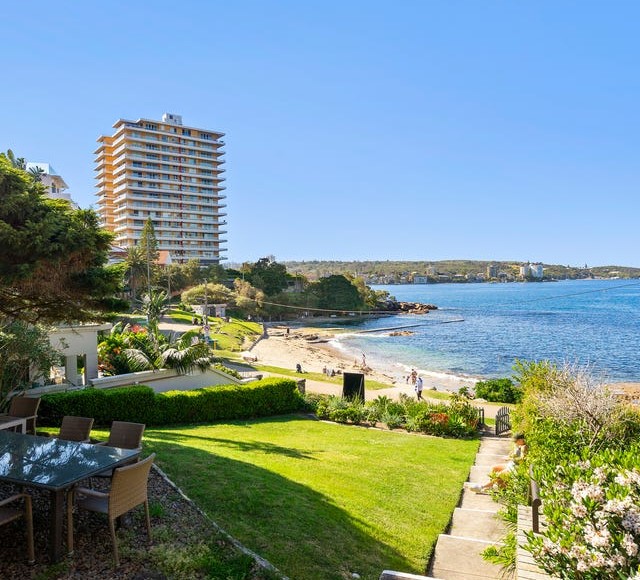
[457, 419]
[140, 404]
[135, 404]
[227, 370]
[499, 391]
[593, 515]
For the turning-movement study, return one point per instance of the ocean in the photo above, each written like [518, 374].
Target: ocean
[479, 330]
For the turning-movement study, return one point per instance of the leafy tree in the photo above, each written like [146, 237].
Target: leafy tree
[153, 306]
[22, 347]
[149, 249]
[248, 298]
[17, 162]
[337, 293]
[216, 294]
[52, 264]
[136, 263]
[131, 349]
[269, 276]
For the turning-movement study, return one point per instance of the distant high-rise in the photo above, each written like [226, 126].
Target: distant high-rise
[170, 173]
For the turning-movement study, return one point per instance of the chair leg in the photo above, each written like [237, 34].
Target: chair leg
[146, 513]
[29, 517]
[70, 498]
[112, 530]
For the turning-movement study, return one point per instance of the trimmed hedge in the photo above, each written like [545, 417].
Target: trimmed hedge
[139, 404]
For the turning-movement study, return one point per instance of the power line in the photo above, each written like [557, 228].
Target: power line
[574, 294]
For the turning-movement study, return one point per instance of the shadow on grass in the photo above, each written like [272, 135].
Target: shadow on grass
[268, 448]
[300, 531]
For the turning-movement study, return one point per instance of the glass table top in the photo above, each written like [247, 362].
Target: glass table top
[53, 463]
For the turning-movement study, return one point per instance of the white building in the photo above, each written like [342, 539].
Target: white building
[53, 183]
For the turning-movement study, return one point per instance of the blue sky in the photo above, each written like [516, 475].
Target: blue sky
[358, 129]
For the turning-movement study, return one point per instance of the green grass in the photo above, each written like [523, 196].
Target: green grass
[320, 500]
[312, 376]
[232, 336]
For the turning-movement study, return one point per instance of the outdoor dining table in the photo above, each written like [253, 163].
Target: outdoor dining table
[55, 465]
[9, 422]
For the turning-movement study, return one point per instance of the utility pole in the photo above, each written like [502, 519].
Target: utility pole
[148, 273]
[205, 319]
[206, 305]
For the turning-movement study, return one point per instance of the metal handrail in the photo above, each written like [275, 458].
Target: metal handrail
[534, 501]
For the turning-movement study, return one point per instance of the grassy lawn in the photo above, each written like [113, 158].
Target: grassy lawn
[337, 380]
[230, 336]
[320, 500]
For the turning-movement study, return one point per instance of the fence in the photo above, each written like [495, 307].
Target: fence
[503, 420]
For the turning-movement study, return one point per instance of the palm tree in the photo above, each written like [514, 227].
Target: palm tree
[153, 306]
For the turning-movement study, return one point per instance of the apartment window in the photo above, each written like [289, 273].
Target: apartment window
[186, 131]
[151, 126]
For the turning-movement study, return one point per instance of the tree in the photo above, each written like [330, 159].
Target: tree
[216, 294]
[248, 298]
[136, 263]
[149, 249]
[130, 349]
[52, 263]
[22, 347]
[153, 306]
[17, 162]
[337, 293]
[269, 276]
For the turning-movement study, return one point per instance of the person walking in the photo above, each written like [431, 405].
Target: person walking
[419, 387]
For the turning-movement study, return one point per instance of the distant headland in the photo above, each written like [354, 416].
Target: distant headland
[456, 271]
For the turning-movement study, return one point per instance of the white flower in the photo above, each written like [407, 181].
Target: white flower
[629, 545]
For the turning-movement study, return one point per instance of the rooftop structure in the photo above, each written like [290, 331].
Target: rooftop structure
[53, 183]
[170, 173]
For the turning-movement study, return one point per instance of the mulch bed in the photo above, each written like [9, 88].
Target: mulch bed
[177, 521]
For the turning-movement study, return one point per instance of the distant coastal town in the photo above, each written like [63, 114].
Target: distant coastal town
[456, 271]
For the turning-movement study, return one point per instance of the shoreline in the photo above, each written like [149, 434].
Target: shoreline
[314, 349]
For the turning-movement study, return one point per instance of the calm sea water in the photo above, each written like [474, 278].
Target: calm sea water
[480, 329]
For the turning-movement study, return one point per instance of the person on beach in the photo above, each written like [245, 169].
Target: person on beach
[501, 471]
[414, 376]
[419, 387]
[298, 368]
[364, 360]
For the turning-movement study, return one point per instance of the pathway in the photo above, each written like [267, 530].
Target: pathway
[474, 525]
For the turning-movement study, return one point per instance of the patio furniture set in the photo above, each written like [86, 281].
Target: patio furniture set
[59, 464]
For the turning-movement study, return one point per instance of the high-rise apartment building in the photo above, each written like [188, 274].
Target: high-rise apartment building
[170, 173]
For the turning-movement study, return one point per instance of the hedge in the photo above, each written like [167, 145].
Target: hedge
[139, 404]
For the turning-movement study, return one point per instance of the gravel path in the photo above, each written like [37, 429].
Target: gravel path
[180, 531]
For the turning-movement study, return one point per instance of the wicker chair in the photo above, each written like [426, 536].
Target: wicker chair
[128, 490]
[75, 428]
[125, 436]
[27, 408]
[9, 514]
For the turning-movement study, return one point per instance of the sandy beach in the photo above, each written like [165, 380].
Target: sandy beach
[311, 348]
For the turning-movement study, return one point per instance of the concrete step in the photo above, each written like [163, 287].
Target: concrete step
[458, 558]
[477, 501]
[393, 575]
[478, 524]
[479, 474]
[489, 459]
[493, 446]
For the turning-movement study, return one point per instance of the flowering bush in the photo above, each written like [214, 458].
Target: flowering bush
[593, 512]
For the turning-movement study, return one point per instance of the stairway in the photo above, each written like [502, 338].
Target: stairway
[474, 525]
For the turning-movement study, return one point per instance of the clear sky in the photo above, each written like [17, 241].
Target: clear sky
[358, 129]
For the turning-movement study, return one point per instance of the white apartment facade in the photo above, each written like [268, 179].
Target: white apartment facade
[170, 173]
